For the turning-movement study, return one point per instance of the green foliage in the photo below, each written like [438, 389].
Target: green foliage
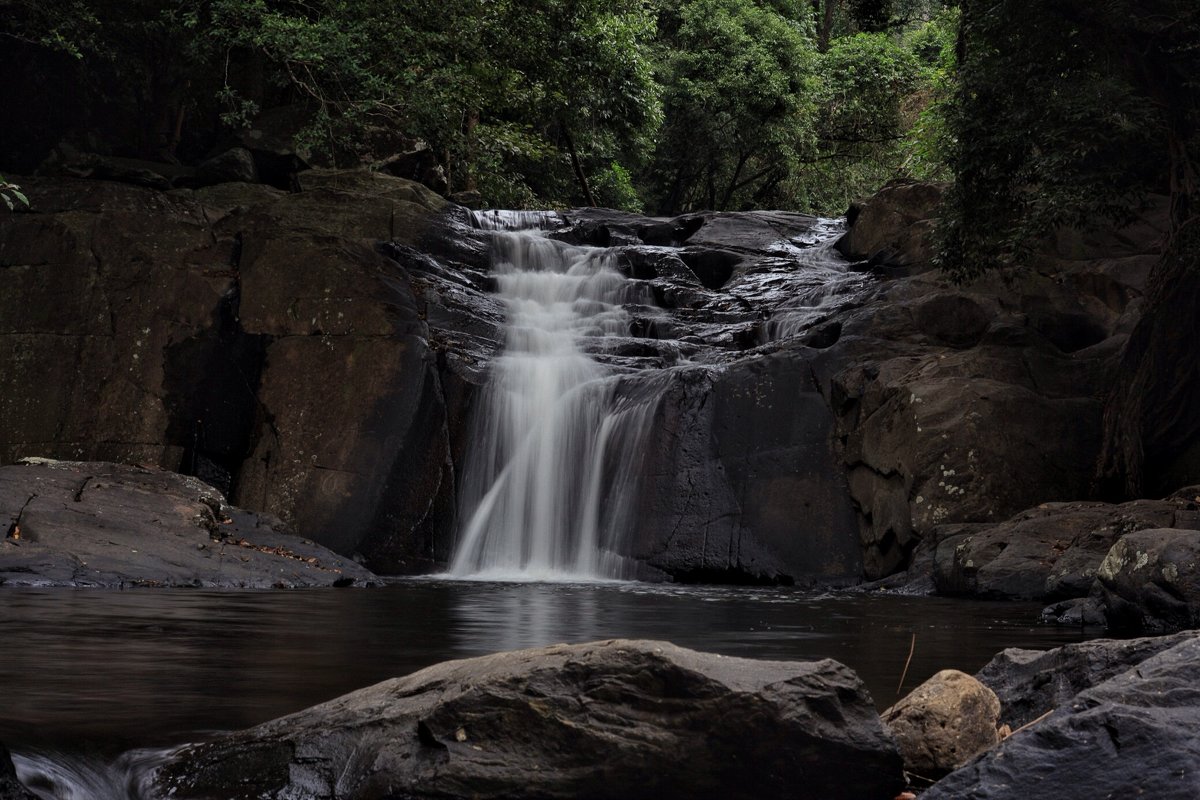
[1067, 114]
[929, 142]
[862, 88]
[736, 81]
[68, 26]
[700, 103]
[614, 189]
[12, 195]
[508, 159]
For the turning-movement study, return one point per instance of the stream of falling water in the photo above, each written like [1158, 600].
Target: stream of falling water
[551, 475]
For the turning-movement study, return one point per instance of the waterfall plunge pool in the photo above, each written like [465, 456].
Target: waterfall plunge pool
[93, 673]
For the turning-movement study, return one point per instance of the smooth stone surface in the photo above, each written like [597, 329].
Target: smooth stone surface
[614, 719]
[1030, 683]
[944, 723]
[1137, 734]
[107, 525]
[895, 225]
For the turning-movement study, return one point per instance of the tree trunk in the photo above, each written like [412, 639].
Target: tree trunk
[826, 29]
[578, 167]
[472, 121]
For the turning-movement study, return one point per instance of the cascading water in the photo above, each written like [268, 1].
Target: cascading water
[551, 477]
[827, 278]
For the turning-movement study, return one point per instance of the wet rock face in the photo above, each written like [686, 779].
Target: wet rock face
[944, 723]
[96, 524]
[814, 423]
[740, 479]
[1136, 734]
[617, 719]
[261, 339]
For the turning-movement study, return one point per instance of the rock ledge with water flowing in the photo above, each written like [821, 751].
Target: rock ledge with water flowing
[613, 719]
[95, 524]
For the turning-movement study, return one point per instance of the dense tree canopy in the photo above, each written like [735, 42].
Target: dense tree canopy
[668, 106]
[1073, 113]
[1068, 114]
[737, 102]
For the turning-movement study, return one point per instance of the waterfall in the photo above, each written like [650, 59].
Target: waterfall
[825, 286]
[551, 474]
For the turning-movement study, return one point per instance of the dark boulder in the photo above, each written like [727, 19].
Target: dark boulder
[1030, 683]
[274, 139]
[107, 525]
[617, 719]
[1051, 552]
[1137, 734]
[418, 164]
[1149, 581]
[235, 165]
[66, 161]
[952, 318]
[10, 787]
[895, 226]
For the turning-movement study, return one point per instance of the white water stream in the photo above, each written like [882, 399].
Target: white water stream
[550, 477]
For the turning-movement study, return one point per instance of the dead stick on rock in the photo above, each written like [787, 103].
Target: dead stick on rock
[911, 649]
[1032, 722]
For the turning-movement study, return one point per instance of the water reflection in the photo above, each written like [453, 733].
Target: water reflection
[116, 670]
[514, 616]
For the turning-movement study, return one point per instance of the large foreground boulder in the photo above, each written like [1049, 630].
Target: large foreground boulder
[616, 719]
[107, 525]
[1134, 735]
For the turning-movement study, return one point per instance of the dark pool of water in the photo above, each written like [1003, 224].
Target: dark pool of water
[110, 670]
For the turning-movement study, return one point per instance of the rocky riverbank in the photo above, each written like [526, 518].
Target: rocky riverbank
[89, 524]
[626, 718]
[316, 355]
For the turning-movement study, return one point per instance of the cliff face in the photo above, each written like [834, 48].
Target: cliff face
[248, 336]
[812, 422]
